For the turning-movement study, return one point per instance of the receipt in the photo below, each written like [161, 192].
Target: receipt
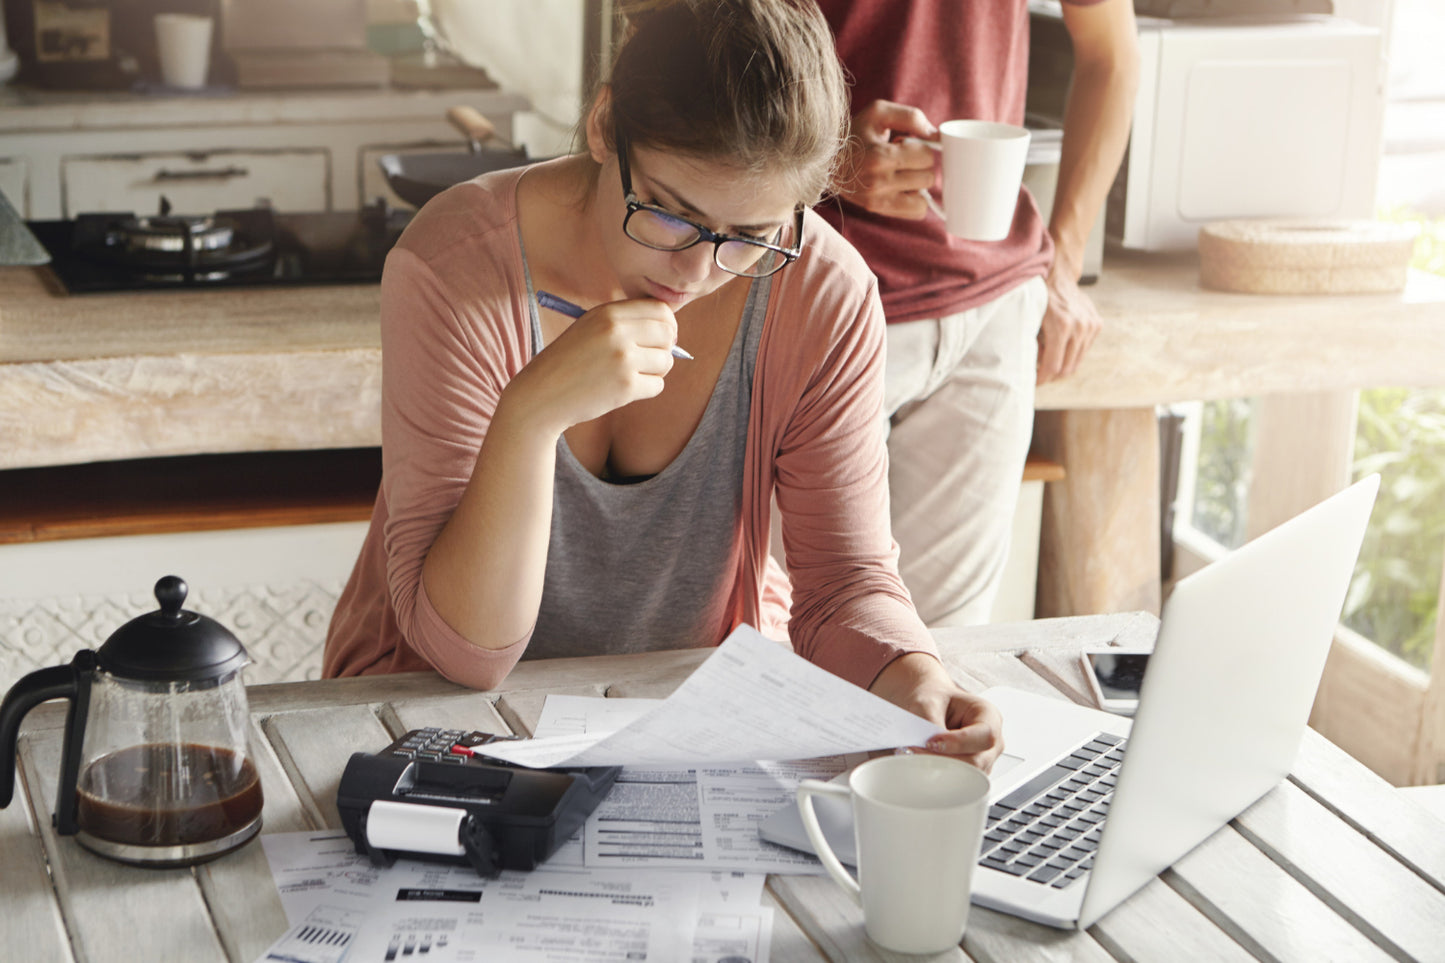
[752, 699]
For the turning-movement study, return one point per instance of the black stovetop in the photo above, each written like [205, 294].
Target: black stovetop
[270, 248]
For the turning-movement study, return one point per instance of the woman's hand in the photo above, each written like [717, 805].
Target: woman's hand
[919, 683]
[884, 165]
[611, 356]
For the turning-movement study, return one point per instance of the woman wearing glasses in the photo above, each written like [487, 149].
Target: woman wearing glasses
[558, 486]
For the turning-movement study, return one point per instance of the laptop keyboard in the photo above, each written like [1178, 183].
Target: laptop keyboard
[1047, 829]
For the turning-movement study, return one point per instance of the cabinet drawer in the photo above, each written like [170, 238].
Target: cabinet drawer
[197, 183]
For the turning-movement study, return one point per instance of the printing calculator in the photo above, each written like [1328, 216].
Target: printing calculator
[429, 795]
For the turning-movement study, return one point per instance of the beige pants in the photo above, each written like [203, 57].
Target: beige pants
[959, 392]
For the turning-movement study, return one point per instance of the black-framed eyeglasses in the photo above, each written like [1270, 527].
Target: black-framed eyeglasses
[662, 230]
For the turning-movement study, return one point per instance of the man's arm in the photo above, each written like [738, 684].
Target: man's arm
[1096, 130]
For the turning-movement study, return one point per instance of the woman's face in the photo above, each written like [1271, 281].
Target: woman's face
[717, 196]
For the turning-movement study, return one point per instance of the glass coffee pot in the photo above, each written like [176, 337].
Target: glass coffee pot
[156, 768]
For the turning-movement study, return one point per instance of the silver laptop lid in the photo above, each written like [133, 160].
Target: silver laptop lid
[1228, 693]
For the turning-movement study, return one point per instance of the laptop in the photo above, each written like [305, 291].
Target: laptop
[1088, 807]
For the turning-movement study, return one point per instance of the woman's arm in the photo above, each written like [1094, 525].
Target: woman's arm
[484, 573]
[470, 429]
[851, 613]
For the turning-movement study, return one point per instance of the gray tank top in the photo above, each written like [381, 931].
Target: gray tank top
[649, 564]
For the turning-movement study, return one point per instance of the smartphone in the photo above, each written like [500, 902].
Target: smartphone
[1115, 676]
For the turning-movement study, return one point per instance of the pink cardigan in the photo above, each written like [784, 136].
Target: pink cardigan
[455, 329]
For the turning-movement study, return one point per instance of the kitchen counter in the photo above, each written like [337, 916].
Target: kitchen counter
[105, 377]
[97, 377]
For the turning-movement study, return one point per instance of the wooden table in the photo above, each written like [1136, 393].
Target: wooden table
[1332, 864]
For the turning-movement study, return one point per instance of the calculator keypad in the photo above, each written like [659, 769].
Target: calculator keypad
[442, 745]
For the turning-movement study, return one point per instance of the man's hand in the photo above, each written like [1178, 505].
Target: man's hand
[919, 683]
[884, 166]
[1071, 322]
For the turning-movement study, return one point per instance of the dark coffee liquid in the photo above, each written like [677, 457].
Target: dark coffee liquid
[168, 795]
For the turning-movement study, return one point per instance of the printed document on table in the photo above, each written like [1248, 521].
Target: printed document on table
[336, 899]
[703, 817]
[751, 699]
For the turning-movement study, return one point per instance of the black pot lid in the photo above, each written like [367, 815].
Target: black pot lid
[173, 644]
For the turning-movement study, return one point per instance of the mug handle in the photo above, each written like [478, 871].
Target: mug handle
[933, 204]
[927, 195]
[806, 790]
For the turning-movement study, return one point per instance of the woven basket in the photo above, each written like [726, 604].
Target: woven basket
[1305, 257]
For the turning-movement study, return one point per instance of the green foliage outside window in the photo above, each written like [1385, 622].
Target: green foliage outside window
[1395, 592]
[1221, 484]
[1401, 434]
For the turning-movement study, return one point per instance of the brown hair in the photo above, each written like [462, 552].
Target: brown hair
[755, 83]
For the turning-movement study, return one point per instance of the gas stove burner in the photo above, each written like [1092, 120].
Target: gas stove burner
[97, 252]
[171, 233]
[169, 246]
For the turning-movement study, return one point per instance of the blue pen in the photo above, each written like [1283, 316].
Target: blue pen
[562, 306]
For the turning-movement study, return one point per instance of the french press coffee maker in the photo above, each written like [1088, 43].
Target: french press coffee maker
[155, 767]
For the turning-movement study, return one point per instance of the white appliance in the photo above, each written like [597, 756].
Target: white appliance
[1236, 117]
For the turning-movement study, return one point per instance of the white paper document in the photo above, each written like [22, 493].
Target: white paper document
[342, 908]
[684, 818]
[752, 699]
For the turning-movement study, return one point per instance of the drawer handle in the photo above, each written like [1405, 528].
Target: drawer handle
[222, 174]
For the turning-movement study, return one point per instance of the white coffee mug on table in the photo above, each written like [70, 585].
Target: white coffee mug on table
[917, 823]
[983, 167]
[183, 41]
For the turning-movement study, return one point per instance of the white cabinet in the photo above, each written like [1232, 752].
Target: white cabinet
[304, 150]
[197, 183]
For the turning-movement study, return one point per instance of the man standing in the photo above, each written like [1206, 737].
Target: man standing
[972, 326]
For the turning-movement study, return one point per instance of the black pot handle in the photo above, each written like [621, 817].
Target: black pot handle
[42, 685]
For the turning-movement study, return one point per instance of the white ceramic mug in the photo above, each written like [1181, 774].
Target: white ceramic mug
[917, 823]
[184, 43]
[983, 166]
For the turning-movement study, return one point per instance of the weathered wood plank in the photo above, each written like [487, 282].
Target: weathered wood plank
[1360, 881]
[1064, 672]
[1262, 907]
[655, 687]
[1408, 831]
[113, 912]
[789, 943]
[1066, 632]
[314, 745]
[835, 923]
[999, 938]
[238, 887]
[991, 669]
[521, 710]
[1157, 923]
[468, 712]
[31, 918]
[319, 694]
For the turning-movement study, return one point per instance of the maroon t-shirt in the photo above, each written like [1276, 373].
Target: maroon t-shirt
[952, 59]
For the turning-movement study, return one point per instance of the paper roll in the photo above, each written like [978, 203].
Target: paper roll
[416, 829]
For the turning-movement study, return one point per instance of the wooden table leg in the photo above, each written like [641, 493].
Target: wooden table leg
[1099, 543]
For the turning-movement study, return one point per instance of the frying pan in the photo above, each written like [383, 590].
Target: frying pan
[417, 178]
